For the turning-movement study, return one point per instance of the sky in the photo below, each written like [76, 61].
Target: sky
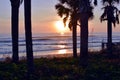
[45, 18]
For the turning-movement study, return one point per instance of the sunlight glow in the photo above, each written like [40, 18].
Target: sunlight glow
[60, 27]
[62, 51]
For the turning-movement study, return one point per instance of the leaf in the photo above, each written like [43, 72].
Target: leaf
[62, 1]
[95, 2]
[65, 20]
[70, 25]
[114, 23]
[61, 10]
[117, 19]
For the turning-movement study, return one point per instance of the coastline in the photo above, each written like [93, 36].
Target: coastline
[22, 56]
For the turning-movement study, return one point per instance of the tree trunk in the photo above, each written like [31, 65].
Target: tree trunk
[28, 34]
[109, 39]
[74, 35]
[84, 40]
[14, 24]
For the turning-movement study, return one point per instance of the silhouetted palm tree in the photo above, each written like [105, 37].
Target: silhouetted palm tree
[14, 23]
[78, 9]
[68, 9]
[86, 13]
[28, 35]
[111, 14]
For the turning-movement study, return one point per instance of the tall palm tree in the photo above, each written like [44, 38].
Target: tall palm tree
[111, 14]
[14, 23]
[78, 9]
[86, 13]
[28, 34]
[68, 9]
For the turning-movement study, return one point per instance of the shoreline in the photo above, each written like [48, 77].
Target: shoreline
[4, 57]
[22, 56]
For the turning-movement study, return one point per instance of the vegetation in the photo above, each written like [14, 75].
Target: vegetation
[111, 14]
[99, 68]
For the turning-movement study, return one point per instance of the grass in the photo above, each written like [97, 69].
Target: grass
[100, 68]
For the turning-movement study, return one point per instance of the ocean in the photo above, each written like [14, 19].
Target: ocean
[52, 43]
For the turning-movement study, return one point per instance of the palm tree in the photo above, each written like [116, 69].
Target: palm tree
[68, 9]
[28, 34]
[85, 12]
[14, 23]
[77, 9]
[111, 14]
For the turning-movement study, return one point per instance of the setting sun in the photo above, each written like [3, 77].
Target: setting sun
[60, 27]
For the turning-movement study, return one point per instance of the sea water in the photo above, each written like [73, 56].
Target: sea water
[52, 43]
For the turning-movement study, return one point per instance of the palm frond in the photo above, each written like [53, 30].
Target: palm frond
[114, 22]
[62, 10]
[103, 16]
[95, 2]
[70, 8]
[91, 16]
[110, 13]
[117, 19]
[73, 3]
[70, 25]
[62, 1]
[65, 20]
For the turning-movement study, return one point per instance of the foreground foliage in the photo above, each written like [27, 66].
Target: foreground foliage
[99, 68]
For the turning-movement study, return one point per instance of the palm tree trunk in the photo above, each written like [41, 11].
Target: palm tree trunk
[84, 40]
[28, 34]
[74, 35]
[109, 39]
[15, 14]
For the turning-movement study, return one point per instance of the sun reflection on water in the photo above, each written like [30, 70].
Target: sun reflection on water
[62, 50]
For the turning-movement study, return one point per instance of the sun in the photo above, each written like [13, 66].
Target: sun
[60, 27]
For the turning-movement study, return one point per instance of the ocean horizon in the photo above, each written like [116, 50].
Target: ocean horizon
[52, 43]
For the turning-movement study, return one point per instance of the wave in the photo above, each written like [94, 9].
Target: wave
[52, 43]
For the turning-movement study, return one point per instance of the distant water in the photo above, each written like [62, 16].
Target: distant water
[44, 44]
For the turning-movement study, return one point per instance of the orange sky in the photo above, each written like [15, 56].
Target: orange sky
[44, 17]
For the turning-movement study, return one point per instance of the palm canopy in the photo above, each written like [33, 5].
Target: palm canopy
[70, 10]
[67, 9]
[110, 12]
[16, 2]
